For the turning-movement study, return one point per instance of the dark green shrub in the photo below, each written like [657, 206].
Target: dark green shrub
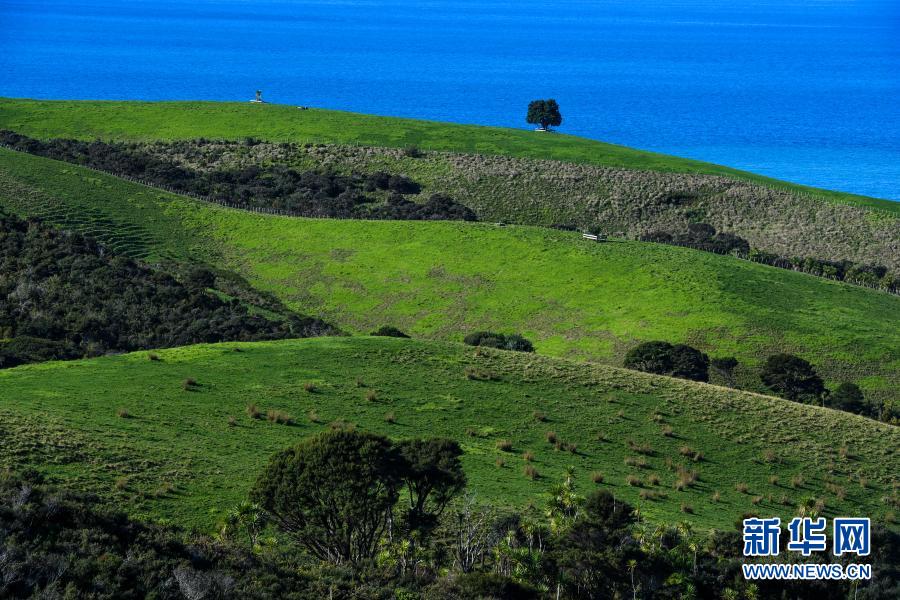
[518, 343]
[792, 377]
[689, 363]
[200, 277]
[650, 357]
[491, 339]
[413, 152]
[663, 358]
[389, 331]
[849, 397]
[485, 338]
[725, 366]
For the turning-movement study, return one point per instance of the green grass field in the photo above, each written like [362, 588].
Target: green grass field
[215, 120]
[440, 280]
[176, 456]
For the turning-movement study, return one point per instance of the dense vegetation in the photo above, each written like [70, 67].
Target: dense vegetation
[58, 544]
[568, 297]
[55, 543]
[63, 296]
[278, 188]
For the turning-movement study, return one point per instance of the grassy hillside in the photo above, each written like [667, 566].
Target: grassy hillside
[442, 279]
[619, 202]
[184, 120]
[177, 456]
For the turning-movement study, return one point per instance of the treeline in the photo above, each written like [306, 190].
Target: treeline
[63, 296]
[353, 515]
[376, 195]
[785, 375]
[703, 236]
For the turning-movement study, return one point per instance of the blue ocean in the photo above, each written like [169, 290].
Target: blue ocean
[803, 90]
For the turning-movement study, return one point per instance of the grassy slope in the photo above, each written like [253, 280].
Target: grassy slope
[62, 418]
[441, 279]
[183, 120]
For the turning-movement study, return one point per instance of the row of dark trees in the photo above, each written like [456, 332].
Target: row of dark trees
[365, 517]
[311, 193]
[703, 236]
[786, 375]
[63, 296]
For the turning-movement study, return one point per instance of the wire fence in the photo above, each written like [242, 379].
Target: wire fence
[783, 263]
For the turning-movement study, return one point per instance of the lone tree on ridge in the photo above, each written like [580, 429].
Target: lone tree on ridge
[544, 113]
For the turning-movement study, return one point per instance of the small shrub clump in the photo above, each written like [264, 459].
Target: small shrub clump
[389, 331]
[663, 358]
[500, 341]
[280, 417]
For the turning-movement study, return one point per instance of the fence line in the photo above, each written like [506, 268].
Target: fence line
[785, 263]
[780, 263]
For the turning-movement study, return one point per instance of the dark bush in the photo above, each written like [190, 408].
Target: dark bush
[663, 358]
[389, 331]
[689, 363]
[650, 357]
[484, 338]
[200, 277]
[725, 366]
[400, 184]
[518, 343]
[703, 236]
[792, 377]
[850, 398]
[491, 339]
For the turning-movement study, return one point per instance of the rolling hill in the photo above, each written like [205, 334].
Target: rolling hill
[442, 279]
[127, 428]
[511, 175]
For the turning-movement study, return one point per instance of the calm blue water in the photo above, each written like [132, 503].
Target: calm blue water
[805, 90]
